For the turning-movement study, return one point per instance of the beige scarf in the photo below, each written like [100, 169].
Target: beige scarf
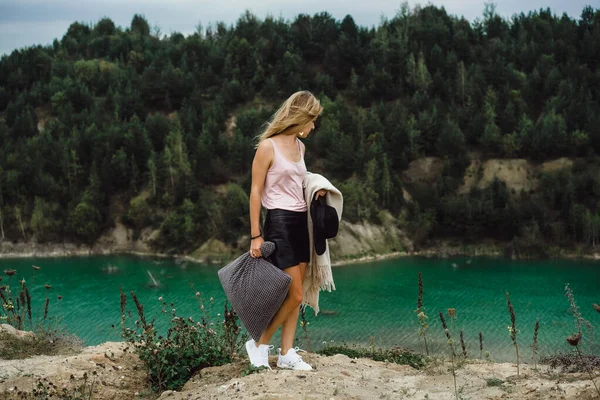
[318, 272]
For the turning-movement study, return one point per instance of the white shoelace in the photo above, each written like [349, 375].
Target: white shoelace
[267, 349]
[297, 349]
[298, 358]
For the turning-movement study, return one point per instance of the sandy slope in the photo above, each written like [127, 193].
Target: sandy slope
[340, 377]
[120, 376]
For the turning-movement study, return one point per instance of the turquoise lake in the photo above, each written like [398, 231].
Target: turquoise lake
[373, 302]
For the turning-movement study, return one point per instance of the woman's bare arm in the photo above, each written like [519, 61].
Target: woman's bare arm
[262, 161]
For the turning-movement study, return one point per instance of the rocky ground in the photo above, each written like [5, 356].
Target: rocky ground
[113, 372]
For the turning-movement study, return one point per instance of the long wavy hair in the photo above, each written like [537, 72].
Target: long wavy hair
[298, 110]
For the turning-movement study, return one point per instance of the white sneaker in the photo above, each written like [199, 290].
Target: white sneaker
[259, 356]
[292, 360]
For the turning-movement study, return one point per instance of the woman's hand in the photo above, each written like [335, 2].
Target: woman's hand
[321, 192]
[255, 247]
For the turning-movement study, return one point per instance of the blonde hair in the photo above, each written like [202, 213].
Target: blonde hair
[298, 110]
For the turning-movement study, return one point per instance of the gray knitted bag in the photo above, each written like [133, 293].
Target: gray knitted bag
[256, 289]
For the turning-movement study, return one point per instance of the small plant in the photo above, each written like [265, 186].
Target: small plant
[512, 330]
[304, 325]
[252, 369]
[462, 344]
[421, 315]
[574, 340]
[79, 389]
[494, 382]
[231, 338]
[480, 345]
[572, 362]
[451, 345]
[534, 346]
[579, 320]
[17, 309]
[13, 308]
[453, 319]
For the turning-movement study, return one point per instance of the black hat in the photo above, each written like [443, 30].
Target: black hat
[325, 223]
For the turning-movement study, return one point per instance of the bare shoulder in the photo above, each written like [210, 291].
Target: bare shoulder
[265, 147]
[264, 151]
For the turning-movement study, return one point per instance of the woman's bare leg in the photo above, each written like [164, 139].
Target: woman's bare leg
[291, 302]
[288, 328]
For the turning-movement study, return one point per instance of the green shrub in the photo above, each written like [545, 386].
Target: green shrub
[494, 382]
[188, 346]
[395, 354]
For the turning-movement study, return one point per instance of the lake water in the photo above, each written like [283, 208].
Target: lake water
[373, 301]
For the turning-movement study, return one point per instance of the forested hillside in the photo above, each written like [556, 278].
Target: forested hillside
[157, 130]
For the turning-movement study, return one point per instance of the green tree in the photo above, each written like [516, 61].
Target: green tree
[360, 201]
[549, 137]
[413, 133]
[87, 71]
[451, 142]
[492, 136]
[4, 98]
[140, 25]
[139, 211]
[3, 236]
[461, 82]
[152, 171]
[157, 127]
[85, 222]
[43, 220]
[120, 168]
[179, 227]
[19, 218]
[105, 27]
[235, 213]
[412, 72]
[178, 149]
[423, 78]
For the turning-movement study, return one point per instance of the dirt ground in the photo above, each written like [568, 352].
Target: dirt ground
[120, 375]
[339, 377]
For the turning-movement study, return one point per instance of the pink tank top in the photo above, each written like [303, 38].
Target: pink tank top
[283, 184]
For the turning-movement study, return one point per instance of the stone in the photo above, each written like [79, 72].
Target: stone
[15, 332]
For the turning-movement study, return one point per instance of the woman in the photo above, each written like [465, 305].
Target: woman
[277, 173]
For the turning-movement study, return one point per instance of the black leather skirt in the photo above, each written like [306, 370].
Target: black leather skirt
[289, 231]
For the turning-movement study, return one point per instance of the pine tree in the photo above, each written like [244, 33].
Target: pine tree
[461, 81]
[1, 205]
[413, 133]
[19, 218]
[178, 150]
[167, 161]
[152, 172]
[37, 217]
[411, 71]
[492, 135]
[423, 76]
[386, 182]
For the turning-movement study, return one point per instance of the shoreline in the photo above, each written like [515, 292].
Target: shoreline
[438, 251]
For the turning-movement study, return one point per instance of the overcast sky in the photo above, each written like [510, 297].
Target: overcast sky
[29, 22]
